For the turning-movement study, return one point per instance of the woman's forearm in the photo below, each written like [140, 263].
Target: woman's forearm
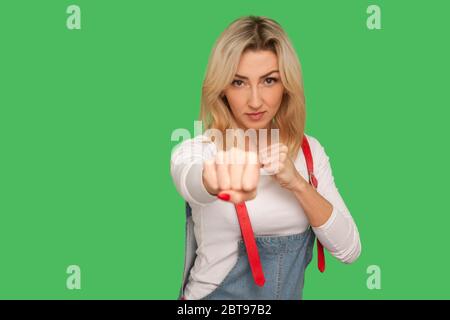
[317, 209]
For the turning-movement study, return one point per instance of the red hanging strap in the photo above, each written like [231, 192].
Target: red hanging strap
[313, 181]
[250, 243]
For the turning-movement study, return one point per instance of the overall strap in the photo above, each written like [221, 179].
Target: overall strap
[313, 181]
[250, 243]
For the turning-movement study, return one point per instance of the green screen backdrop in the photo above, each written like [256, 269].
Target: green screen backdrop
[86, 117]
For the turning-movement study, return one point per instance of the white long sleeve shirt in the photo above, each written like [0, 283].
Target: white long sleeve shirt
[275, 211]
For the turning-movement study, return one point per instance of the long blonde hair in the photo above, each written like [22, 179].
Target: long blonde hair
[254, 33]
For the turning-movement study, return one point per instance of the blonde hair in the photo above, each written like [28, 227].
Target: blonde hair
[254, 33]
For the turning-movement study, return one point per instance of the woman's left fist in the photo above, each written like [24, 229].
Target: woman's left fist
[276, 162]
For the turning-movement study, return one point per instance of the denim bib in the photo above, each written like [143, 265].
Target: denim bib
[284, 260]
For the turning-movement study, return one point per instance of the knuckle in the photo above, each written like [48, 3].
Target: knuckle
[224, 184]
[252, 157]
[213, 184]
[235, 185]
[248, 187]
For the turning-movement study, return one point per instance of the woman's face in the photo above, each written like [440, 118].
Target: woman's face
[256, 91]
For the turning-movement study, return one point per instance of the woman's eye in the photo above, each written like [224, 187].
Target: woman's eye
[271, 80]
[237, 83]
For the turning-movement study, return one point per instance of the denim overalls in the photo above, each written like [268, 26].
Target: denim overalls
[284, 260]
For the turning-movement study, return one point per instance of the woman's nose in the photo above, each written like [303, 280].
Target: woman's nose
[255, 100]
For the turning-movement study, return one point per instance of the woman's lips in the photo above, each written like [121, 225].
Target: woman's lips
[255, 116]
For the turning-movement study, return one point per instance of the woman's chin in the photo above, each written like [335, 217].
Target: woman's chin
[257, 125]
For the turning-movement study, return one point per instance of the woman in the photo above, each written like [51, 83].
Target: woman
[254, 82]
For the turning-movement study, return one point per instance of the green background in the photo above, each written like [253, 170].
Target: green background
[86, 118]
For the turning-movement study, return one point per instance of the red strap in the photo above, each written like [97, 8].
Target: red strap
[313, 181]
[250, 244]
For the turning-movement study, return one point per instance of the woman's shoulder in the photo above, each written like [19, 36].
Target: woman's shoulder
[317, 149]
[312, 140]
[198, 145]
[198, 140]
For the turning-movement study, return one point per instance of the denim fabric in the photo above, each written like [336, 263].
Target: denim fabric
[284, 260]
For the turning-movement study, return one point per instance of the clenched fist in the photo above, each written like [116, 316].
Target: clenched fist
[276, 162]
[233, 172]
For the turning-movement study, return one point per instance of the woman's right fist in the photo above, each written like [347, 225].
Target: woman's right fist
[233, 172]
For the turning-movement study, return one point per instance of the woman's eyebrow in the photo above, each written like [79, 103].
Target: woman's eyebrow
[265, 75]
